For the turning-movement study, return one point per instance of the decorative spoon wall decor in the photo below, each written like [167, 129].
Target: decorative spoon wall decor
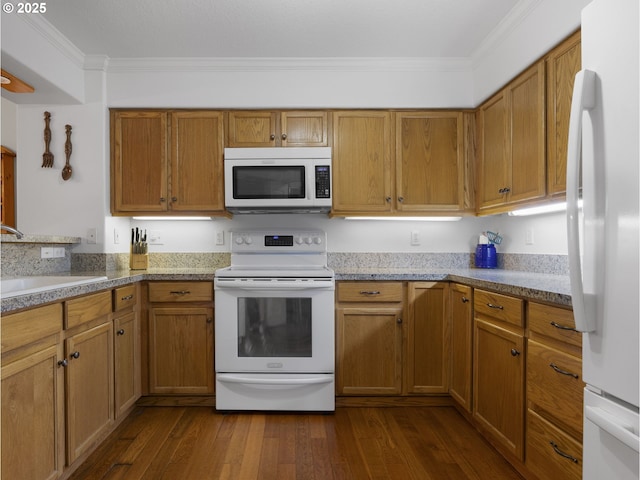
[47, 156]
[66, 171]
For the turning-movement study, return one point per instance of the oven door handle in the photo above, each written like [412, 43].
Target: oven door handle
[235, 378]
[274, 285]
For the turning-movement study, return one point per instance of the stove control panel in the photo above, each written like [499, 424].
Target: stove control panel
[264, 241]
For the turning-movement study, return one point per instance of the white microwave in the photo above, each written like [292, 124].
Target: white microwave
[277, 180]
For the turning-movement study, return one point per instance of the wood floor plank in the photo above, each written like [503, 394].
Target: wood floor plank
[355, 443]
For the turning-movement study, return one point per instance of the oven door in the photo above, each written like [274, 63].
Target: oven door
[274, 326]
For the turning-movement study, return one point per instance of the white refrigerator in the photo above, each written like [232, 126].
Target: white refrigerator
[602, 171]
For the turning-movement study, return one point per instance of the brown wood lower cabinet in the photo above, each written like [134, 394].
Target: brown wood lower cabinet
[461, 301]
[498, 384]
[89, 383]
[32, 395]
[181, 338]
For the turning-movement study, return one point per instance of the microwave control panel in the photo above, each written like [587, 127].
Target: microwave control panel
[323, 181]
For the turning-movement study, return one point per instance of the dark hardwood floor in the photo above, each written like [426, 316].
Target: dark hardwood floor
[198, 443]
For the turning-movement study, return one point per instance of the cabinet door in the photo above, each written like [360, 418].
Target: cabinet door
[429, 161]
[139, 162]
[181, 350]
[461, 300]
[494, 145]
[304, 129]
[527, 99]
[252, 129]
[369, 351]
[498, 385]
[33, 417]
[127, 361]
[362, 175]
[562, 65]
[197, 146]
[427, 359]
[89, 383]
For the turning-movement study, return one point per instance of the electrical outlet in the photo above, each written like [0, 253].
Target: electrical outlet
[220, 237]
[415, 237]
[528, 240]
[116, 236]
[59, 252]
[46, 252]
[156, 237]
[92, 235]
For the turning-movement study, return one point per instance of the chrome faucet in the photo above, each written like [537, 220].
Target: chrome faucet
[15, 231]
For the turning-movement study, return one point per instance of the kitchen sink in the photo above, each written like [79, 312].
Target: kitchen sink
[14, 286]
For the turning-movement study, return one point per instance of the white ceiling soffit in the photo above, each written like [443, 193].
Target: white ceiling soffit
[267, 34]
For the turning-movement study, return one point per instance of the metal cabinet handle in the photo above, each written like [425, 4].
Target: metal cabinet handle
[209, 320]
[514, 352]
[504, 190]
[272, 136]
[127, 297]
[180, 292]
[465, 300]
[63, 363]
[561, 453]
[162, 199]
[497, 307]
[284, 136]
[369, 292]
[387, 199]
[562, 327]
[399, 320]
[120, 332]
[75, 355]
[400, 199]
[174, 199]
[563, 372]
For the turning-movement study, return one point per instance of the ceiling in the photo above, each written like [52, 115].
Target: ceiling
[278, 28]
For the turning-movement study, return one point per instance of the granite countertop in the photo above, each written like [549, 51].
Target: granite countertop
[534, 286]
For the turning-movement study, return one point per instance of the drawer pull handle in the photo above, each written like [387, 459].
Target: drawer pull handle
[465, 299]
[563, 372]
[128, 297]
[180, 292]
[369, 292]
[561, 453]
[497, 307]
[562, 327]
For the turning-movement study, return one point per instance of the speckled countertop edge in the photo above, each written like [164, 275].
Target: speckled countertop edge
[534, 286]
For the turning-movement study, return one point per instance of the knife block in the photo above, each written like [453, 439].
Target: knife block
[138, 261]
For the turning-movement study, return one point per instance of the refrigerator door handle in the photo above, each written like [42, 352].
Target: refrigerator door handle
[583, 99]
[614, 426]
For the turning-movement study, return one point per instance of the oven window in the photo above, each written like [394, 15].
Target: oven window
[274, 327]
[267, 182]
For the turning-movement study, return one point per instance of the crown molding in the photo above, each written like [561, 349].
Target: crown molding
[235, 64]
[52, 35]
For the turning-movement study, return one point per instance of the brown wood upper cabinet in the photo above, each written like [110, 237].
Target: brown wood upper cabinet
[563, 62]
[277, 129]
[167, 162]
[511, 140]
[399, 162]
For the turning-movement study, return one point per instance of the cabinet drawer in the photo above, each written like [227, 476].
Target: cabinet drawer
[553, 322]
[369, 292]
[125, 297]
[499, 307]
[19, 329]
[554, 383]
[181, 291]
[550, 452]
[84, 309]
